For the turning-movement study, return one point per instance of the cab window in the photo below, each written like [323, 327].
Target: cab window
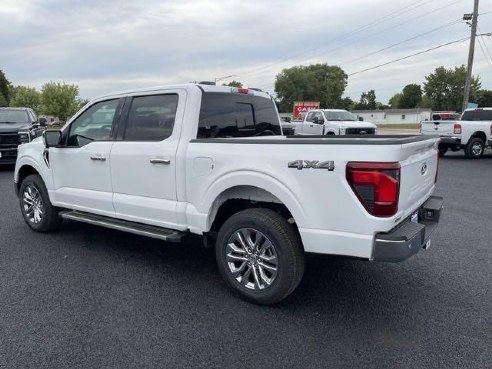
[94, 124]
[151, 118]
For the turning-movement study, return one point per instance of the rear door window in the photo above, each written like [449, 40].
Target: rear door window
[151, 118]
[236, 115]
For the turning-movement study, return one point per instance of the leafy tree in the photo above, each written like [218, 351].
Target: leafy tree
[410, 96]
[81, 103]
[4, 90]
[317, 82]
[233, 83]
[484, 98]
[59, 99]
[367, 101]
[444, 88]
[26, 96]
[394, 100]
[347, 103]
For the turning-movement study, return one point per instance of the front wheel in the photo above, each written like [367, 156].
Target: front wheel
[475, 148]
[36, 207]
[260, 256]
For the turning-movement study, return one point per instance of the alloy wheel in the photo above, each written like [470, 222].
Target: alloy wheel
[32, 204]
[252, 259]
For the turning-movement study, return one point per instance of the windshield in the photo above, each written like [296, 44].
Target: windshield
[340, 115]
[13, 116]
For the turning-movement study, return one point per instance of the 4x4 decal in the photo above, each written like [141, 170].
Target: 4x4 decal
[312, 164]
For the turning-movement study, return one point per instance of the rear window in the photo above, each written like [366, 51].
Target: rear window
[236, 115]
[477, 115]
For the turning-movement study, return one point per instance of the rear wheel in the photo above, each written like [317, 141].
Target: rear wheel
[475, 148]
[260, 256]
[36, 207]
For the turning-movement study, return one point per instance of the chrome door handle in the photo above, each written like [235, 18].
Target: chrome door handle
[98, 158]
[160, 161]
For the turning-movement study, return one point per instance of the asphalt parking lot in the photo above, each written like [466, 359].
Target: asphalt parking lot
[87, 297]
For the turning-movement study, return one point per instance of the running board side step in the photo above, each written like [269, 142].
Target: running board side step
[164, 234]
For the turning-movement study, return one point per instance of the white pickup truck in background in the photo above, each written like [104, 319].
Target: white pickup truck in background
[472, 133]
[333, 122]
[211, 160]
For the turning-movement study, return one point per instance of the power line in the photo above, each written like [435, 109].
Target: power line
[376, 22]
[404, 41]
[368, 36]
[409, 56]
[484, 48]
[485, 53]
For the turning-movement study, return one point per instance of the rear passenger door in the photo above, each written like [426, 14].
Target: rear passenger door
[143, 158]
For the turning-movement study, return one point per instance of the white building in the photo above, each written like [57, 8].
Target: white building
[394, 116]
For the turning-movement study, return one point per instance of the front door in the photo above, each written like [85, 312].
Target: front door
[80, 168]
[143, 159]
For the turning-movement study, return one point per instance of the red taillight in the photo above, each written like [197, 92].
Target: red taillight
[377, 186]
[491, 129]
[457, 129]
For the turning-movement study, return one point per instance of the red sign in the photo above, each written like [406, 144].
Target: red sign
[302, 107]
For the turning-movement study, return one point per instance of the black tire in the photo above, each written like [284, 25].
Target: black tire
[330, 133]
[442, 150]
[287, 252]
[474, 148]
[33, 187]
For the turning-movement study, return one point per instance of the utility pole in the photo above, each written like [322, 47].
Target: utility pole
[471, 51]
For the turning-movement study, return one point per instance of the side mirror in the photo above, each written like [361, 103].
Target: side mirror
[317, 120]
[42, 122]
[361, 119]
[52, 138]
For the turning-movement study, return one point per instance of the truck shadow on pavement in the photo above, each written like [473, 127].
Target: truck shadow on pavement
[331, 285]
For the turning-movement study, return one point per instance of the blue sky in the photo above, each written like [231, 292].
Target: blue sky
[108, 45]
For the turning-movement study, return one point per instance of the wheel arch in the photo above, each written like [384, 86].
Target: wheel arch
[481, 135]
[252, 190]
[24, 171]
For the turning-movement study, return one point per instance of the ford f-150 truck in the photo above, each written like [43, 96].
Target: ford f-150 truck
[17, 125]
[211, 160]
[472, 133]
[333, 122]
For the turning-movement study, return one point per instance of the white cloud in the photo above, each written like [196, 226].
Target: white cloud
[108, 45]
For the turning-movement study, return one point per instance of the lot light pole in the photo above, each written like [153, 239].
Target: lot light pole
[471, 51]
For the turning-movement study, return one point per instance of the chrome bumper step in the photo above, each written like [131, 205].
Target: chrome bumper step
[164, 234]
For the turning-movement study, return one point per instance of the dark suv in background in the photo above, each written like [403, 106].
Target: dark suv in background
[17, 125]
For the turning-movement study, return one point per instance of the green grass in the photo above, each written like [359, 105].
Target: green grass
[400, 126]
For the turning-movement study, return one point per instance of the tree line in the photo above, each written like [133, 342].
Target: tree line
[441, 90]
[58, 99]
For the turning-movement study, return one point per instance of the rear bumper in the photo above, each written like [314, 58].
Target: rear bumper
[451, 140]
[408, 237]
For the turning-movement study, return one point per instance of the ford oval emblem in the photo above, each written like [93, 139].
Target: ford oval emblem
[423, 169]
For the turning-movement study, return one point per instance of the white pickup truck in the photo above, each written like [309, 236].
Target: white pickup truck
[211, 160]
[333, 122]
[472, 133]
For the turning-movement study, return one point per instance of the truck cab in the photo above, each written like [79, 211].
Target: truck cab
[334, 122]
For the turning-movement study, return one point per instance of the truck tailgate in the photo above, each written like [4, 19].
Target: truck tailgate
[419, 165]
[438, 127]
